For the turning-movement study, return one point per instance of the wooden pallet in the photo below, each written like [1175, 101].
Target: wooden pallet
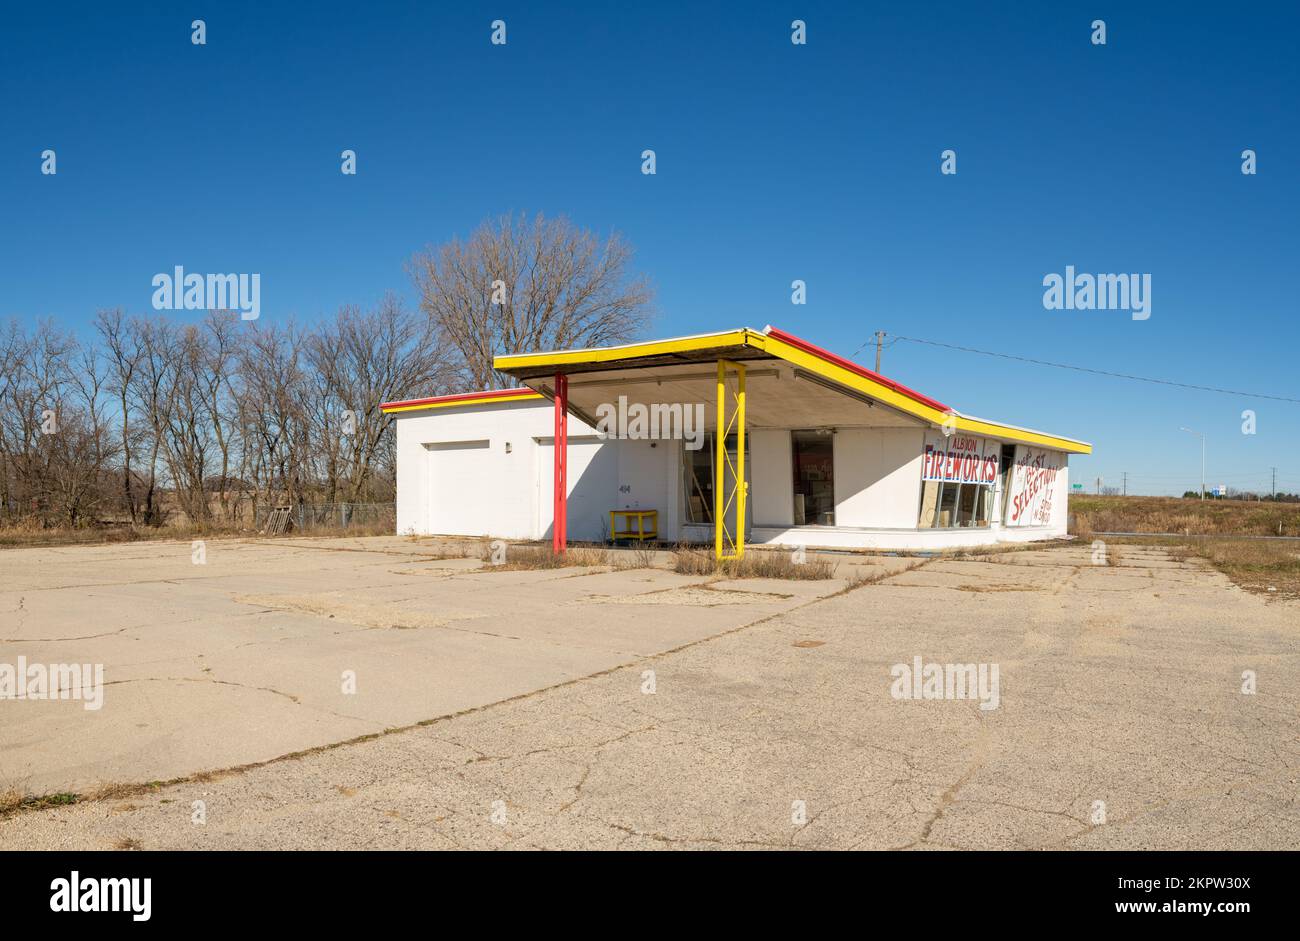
[279, 521]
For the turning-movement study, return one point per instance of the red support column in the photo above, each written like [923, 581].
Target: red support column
[559, 529]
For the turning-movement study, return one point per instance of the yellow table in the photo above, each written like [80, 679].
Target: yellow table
[640, 533]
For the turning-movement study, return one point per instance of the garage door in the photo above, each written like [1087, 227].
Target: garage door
[459, 473]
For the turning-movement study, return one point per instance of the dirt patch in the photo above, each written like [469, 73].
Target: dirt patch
[995, 588]
[336, 606]
[695, 595]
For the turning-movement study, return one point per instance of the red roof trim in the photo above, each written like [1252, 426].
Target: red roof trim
[852, 367]
[488, 396]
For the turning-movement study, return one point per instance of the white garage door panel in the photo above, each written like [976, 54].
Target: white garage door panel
[592, 470]
[459, 472]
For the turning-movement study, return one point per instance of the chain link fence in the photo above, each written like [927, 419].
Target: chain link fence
[372, 518]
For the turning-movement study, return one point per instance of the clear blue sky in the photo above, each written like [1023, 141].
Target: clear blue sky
[775, 162]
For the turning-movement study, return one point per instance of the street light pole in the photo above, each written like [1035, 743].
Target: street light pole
[1202, 437]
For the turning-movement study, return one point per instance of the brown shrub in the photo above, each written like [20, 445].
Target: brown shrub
[525, 557]
[754, 564]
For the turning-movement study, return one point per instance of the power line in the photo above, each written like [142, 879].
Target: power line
[871, 341]
[1099, 372]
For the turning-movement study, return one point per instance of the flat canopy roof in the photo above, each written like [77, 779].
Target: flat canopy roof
[792, 383]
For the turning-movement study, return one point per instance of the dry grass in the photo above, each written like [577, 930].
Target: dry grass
[1186, 517]
[754, 564]
[11, 798]
[641, 557]
[384, 527]
[14, 799]
[29, 535]
[525, 557]
[33, 535]
[1269, 568]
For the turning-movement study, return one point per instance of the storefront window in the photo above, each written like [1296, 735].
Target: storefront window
[697, 467]
[699, 474]
[957, 477]
[947, 506]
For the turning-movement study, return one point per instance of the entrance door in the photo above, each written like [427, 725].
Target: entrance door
[1008, 459]
[699, 474]
[814, 478]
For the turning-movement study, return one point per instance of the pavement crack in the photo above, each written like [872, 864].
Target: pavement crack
[205, 679]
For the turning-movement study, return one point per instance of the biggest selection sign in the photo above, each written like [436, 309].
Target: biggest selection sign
[1032, 493]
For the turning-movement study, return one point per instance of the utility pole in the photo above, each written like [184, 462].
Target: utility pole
[880, 335]
[1126, 483]
[1275, 483]
[1202, 437]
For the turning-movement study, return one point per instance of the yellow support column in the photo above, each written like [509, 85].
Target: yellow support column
[719, 459]
[725, 545]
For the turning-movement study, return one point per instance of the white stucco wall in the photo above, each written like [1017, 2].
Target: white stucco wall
[642, 475]
[771, 475]
[1061, 508]
[592, 473]
[877, 477]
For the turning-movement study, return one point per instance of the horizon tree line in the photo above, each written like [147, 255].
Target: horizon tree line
[148, 415]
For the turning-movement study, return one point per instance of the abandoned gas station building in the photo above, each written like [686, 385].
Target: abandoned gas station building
[813, 451]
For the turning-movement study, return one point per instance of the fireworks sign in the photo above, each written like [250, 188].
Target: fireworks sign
[960, 458]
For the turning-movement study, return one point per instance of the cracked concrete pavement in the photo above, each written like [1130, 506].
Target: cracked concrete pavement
[242, 658]
[1120, 689]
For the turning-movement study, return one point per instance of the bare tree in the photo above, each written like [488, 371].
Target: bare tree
[216, 380]
[518, 285]
[272, 403]
[155, 415]
[54, 443]
[153, 344]
[123, 358]
[362, 359]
